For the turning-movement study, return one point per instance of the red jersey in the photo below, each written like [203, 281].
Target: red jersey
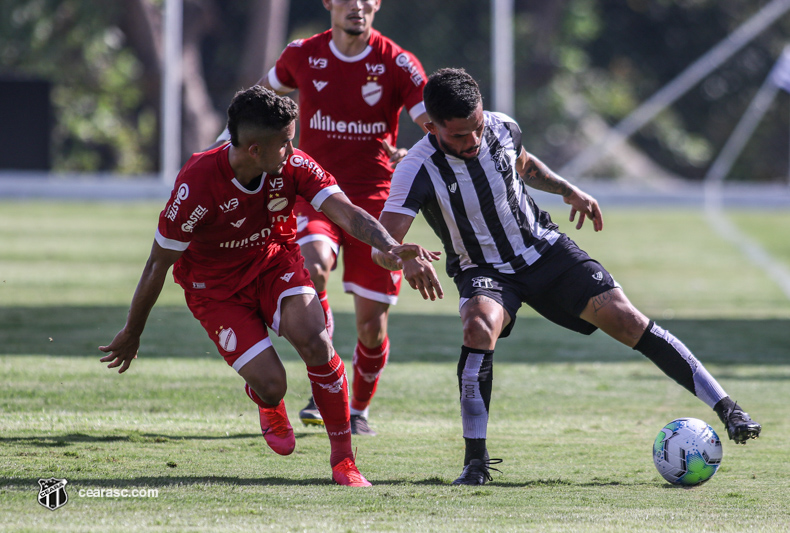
[227, 232]
[348, 105]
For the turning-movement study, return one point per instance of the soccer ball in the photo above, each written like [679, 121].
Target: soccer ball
[687, 452]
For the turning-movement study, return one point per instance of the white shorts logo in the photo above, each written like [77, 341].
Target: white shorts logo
[482, 283]
[227, 340]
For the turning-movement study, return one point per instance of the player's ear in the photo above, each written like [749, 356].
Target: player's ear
[431, 127]
[327, 4]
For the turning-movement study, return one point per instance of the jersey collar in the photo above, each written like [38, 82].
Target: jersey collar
[347, 59]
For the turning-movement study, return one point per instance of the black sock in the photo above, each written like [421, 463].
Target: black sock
[475, 449]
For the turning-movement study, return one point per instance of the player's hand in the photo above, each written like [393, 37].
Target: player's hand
[396, 154]
[410, 251]
[421, 276]
[586, 206]
[121, 350]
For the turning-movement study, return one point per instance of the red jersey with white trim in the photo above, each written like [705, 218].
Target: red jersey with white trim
[348, 105]
[229, 233]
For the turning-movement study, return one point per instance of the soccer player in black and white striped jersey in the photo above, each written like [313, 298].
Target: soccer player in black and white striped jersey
[469, 177]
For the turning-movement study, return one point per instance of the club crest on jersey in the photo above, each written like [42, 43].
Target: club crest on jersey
[371, 93]
[277, 204]
[319, 85]
[501, 161]
[227, 339]
[481, 282]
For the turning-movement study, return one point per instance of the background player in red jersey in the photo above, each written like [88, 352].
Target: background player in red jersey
[353, 83]
[228, 231]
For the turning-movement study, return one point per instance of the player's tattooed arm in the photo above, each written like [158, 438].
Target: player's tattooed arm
[538, 176]
[360, 224]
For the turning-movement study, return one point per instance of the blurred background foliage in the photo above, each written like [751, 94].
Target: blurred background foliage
[581, 66]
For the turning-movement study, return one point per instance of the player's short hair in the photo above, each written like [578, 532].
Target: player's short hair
[259, 107]
[451, 93]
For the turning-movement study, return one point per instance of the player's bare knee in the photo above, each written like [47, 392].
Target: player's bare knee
[479, 331]
[371, 333]
[271, 389]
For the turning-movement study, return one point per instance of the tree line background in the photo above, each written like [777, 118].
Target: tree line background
[581, 66]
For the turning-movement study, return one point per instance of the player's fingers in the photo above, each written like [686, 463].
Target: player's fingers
[387, 147]
[579, 224]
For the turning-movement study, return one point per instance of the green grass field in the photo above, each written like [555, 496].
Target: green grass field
[573, 417]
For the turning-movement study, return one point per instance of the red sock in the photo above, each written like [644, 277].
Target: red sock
[368, 365]
[328, 317]
[330, 392]
[257, 399]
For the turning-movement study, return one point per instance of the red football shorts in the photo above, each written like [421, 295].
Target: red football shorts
[361, 275]
[238, 325]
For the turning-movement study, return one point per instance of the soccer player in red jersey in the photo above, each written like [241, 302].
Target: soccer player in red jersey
[228, 231]
[353, 83]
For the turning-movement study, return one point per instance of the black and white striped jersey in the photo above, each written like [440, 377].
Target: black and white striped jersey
[479, 208]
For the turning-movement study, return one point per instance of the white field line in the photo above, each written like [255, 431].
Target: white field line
[719, 222]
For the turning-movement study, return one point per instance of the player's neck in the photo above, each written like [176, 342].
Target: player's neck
[350, 45]
[244, 171]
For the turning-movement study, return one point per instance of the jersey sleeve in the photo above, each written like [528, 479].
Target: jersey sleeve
[313, 183]
[411, 80]
[282, 76]
[182, 215]
[411, 188]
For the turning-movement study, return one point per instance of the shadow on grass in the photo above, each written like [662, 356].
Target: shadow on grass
[173, 332]
[62, 441]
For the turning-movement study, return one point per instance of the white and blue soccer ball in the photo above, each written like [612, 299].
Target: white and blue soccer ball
[687, 452]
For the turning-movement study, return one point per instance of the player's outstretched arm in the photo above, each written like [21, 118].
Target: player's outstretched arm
[124, 346]
[418, 272]
[538, 176]
[358, 223]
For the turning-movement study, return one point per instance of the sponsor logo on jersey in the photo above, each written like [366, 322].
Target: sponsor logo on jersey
[287, 277]
[194, 218]
[52, 493]
[198, 285]
[183, 193]
[319, 85]
[375, 70]
[317, 62]
[322, 122]
[230, 205]
[452, 187]
[482, 282]
[255, 237]
[302, 162]
[227, 339]
[277, 204]
[296, 43]
[371, 93]
[238, 223]
[276, 183]
[404, 61]
[501, 160]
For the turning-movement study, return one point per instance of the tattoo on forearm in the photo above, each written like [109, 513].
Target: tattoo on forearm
[538, 176]
[368, 230]
[602, 300]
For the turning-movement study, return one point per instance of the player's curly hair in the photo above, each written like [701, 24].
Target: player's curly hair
[451, 93]
[259, 107]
